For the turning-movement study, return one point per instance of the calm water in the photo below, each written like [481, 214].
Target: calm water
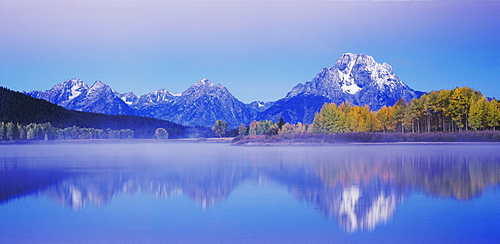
[133, 192]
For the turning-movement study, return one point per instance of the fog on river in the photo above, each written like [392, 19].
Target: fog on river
[255, 193]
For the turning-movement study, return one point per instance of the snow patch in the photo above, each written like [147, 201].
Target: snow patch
[351, 89]
[75, 92]
[348, 84]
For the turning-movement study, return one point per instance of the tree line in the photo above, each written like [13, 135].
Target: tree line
[456, 110]
[33, 131]
[21, 110]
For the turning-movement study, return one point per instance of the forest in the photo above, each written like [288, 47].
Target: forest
[452, 111]
[20, 113]
[456, 110]
[460, 114]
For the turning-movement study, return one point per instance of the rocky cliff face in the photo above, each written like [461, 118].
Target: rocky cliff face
[201, 105]
[357, 79]
[74, 94]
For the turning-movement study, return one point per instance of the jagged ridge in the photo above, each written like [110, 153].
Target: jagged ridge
[358, 79]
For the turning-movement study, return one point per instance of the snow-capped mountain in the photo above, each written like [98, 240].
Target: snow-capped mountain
[62, 93]
[74, 94]
[129, 98]
[358, 79]
[260, 106]
[100, 98]
[154, 98]
[200, 105]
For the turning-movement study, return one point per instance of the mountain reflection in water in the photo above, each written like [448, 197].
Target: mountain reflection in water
[360, 186]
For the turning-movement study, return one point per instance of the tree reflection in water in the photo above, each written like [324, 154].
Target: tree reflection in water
[360, 190]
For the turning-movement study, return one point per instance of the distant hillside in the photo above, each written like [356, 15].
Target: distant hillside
[23, 109]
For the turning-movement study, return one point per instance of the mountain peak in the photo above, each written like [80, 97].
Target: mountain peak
[356, 78]
[204, 82]
[74, 81]
[71, 84]
[347, 61]
[98, 85]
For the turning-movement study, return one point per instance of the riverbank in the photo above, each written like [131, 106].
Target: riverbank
[193, 140]
[368, 137]
[307, 139]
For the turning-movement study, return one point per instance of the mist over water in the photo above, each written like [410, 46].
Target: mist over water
[201, 192]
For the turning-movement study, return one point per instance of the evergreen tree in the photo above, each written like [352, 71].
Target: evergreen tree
[281, 123]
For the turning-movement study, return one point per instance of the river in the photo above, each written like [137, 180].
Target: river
[186, 192]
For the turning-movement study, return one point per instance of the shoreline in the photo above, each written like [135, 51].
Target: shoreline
[370, 138]
[249, 144]
[76, 141]
[360, 138]
[256, 144]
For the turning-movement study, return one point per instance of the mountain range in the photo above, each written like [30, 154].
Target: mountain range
[20, 108]
[358, 79]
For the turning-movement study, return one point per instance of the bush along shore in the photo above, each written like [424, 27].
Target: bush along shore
[367, 137]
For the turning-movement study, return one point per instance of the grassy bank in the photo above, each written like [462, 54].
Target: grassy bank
[368, 137]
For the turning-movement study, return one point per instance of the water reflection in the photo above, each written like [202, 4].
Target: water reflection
[359, 190]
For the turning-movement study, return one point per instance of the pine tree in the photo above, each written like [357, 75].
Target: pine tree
[281, 123]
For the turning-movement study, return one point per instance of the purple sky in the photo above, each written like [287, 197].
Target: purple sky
[258, 49]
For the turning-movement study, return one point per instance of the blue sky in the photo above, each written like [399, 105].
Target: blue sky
[259, 50]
